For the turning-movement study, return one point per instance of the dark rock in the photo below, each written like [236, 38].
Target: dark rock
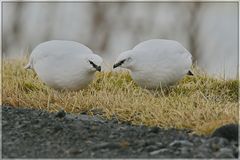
[74, 151]
[60, 114]
[148, 143]
[154, 129]
[229, 131]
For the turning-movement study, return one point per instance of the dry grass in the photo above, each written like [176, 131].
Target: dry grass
[198, 102]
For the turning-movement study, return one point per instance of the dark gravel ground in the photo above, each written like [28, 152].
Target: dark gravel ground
[28, 133]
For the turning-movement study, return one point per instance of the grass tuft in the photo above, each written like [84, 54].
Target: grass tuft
[198, 102]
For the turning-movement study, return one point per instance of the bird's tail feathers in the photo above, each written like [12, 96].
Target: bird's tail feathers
[28, 66]
[190, 73]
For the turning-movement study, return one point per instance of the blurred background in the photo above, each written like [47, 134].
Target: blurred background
[209, 30]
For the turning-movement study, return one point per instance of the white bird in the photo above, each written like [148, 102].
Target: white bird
[156, 63]
[64, 64]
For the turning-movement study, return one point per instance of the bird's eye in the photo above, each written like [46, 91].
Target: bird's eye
[91, 63]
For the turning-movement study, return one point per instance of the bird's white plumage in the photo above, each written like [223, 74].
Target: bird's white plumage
[64, 64]
[157, 62]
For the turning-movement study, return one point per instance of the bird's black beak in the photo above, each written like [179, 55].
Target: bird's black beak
[98, 68]
[116, 65]
[119, 63]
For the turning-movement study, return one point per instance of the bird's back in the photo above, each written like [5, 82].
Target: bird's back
[59, 47]
[161, 46]
[163, 52]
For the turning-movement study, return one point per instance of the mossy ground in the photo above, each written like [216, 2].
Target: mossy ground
[198, 102]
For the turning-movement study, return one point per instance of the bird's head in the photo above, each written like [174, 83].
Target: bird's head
[125, 60]
[94, 62]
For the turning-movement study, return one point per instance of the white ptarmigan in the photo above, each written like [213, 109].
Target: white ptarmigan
[156, 63]
[64, 64]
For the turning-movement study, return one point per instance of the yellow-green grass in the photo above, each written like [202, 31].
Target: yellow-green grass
[198, 102]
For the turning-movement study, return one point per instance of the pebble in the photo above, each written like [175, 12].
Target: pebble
[202, 155]
[159, 144]
[106, 145]
[216, 143]
[151, 148]
[154, 130]
[224, 153]
[185, 150]
[180, 143]
[57, 128]
[163, 150]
